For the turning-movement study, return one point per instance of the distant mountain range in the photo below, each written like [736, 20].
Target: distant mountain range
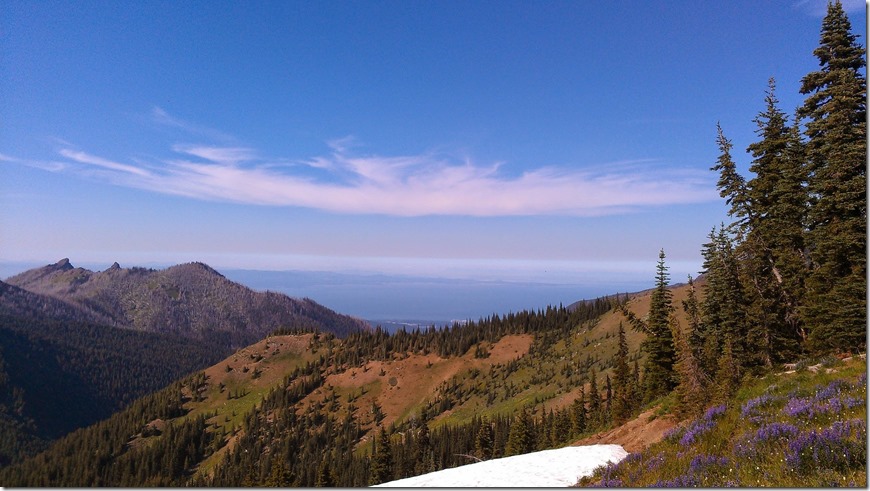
[78, 345]
[190, 300]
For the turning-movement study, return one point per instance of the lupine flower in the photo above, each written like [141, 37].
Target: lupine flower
[749, 408]
[701, 462]
[799, 407]
[841, 446]
[714, 411]
[775, 431]
[685, 481]
[673, 434]
[697, 429]
[831, 390]
[608, 483]
[655, 462]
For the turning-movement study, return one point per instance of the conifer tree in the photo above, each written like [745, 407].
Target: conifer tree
[836, 111]
[621, 406]
[424, 458]
[691, 389]
[325, 477]
[483, 441]
[520, 439]
[593, 418]
[658, 374]
[578, 414]
[382, 459]
[772, 250]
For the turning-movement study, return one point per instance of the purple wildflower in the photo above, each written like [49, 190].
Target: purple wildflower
[776, 431]
[608, 483]
[685, 481]
[831, 390]
[749, 408]
[673, 434]
[655, 462]
[695, 430]
[799, 407]
[701, 462]
[714, 411]
[851, 402]
[841, 446]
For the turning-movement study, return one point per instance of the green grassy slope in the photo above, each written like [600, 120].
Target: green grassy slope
[804, 428]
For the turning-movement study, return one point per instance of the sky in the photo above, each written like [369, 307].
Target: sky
[487, 139]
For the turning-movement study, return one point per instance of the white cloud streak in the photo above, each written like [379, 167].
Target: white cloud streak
[413, 185]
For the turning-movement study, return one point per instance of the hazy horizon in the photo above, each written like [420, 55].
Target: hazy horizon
[425, 295]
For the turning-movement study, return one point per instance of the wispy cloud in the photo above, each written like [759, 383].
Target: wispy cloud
[409, 185]
[84, 158]
[160, 116]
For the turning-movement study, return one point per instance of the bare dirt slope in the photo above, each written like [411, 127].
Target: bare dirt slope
[637, 434]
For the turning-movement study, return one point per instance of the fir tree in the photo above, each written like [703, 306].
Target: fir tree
[424, 458]
[658, 378]
[382, 459]
[593, 419]
[836, 112]
[521, 438]
[621, 407]
[483, 441]
[691, 389]
[773, 247]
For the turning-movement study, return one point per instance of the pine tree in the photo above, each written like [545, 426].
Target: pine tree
[658, 374]
[724, 308]
[424, 458]
[731, 185]
[593, 418]
[483, 441]
[520, 440]
[621, 406]
[692, 386]
[773, 262]
[578, 414]
[325, 477]
[836, 112]
[382, 459]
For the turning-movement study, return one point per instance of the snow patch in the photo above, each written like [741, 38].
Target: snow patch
[559, 467]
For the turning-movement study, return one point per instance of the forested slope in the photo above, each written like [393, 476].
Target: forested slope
[191, 300]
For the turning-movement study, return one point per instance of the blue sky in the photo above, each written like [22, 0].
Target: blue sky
[510, 140]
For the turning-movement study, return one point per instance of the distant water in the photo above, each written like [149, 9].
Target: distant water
[394, 299]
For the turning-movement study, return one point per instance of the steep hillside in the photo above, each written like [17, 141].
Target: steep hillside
[191, 300]
[791, 429]
[269, 413]
[58, 373]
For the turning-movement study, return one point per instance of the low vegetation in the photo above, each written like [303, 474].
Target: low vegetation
[800, 429]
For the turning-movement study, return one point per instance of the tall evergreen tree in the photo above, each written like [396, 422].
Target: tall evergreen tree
[836, 111]
[658, 373]
[731, 185]
[772, 250]
[621, 407]
[382, 459]
[424, 458]
[521, 438]
[483, 441]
